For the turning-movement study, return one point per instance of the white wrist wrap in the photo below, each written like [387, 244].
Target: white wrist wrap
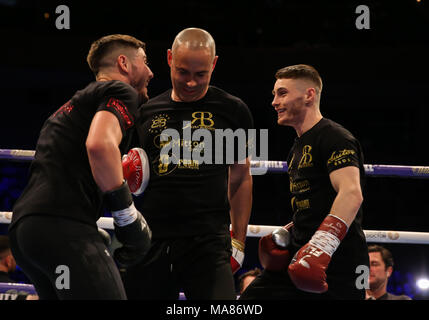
[126, 216]
[325, 241]
[238, 255]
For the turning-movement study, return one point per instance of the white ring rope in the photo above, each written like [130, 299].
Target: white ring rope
[262, 167]
[255, 231]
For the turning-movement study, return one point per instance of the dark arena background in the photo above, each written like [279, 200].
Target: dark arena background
[376, 84]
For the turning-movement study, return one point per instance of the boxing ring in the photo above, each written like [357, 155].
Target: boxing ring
[261, 168]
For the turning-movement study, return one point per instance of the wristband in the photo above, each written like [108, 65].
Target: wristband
[120, 202]
[237, 244]
[118, 199]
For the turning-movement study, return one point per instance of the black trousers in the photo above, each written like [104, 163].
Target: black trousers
[65, 259]
[278, 286]
[199, 265]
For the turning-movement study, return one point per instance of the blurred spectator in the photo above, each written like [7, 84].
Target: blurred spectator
[246, 278]
[7, 261]
[381, 268]
[8, 265]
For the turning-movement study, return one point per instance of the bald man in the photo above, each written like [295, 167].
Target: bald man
[53, 233]
[190, 204]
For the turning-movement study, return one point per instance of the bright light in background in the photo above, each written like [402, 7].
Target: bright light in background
[423, 283]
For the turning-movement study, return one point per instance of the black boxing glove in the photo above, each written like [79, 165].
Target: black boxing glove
[131, 229]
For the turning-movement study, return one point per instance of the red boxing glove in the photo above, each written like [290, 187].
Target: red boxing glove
[272, 251]
[135, 168]
[237, 255]
[308, 267]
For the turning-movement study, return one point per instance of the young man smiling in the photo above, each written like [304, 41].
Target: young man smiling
[325, 167]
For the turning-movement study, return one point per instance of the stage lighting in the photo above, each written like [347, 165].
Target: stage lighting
[423, 283]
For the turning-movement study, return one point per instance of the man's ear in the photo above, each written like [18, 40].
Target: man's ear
[169, 57]
[214, 62]
[123, 63]
[310, 95]
[8, 260]
[389, 271]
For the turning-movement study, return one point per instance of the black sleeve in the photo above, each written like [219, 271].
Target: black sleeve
[122, 100]
[246, 122]
[245, 116]
[340, 149]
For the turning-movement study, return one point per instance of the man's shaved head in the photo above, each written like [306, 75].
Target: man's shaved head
[192, 60]
[194, 39]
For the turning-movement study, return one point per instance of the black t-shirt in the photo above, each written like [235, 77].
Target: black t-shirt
[324, 148]
[61, 181]
[188, 197]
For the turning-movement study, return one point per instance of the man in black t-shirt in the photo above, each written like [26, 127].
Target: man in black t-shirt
[189, 203]
[319, 254]
[77, 163]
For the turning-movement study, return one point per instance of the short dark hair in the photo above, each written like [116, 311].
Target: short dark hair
[252, 273]
[301, 71]
[103, 46]
[386, 255]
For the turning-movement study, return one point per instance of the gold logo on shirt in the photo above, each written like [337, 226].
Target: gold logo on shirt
[299, 187]
[306, 159]
[299, 205]
[342, 156]
[159, 123]
[162, 166]
[202, 119]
